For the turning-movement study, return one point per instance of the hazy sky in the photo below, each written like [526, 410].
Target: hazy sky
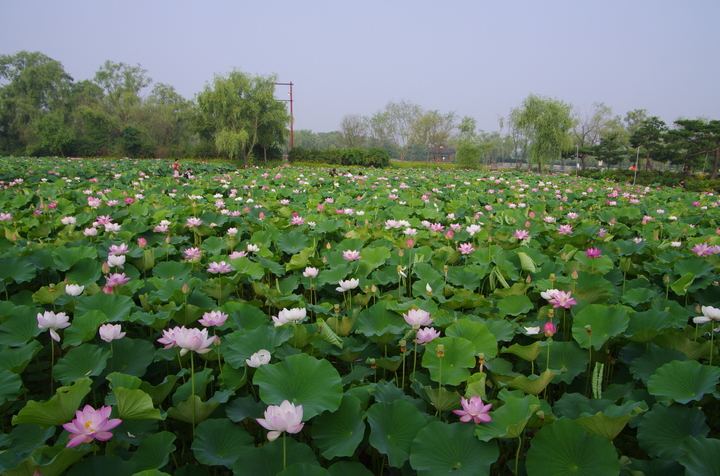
[475, 57]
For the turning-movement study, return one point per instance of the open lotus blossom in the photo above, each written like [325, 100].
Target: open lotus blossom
[474, 410]
[563, 299]
[347, 285]
[549, 294]
[192, 253]
[120, 249]
[90, 424]
[565, 230]
[116, 279]
[168, 337]
[709, 314]
[310, 272]
[702, 249]
[289, 315]
[417, 318]
[5, 217]
[192, 340]
[351, 255]
[532, 331]
[238, 254]
[466, 248]
[213, 318]
[111, 332]
[74, 289]
[193, 221]
[261, 357]
[52, 321]
[68, 220]
[252, 248]
[521, 234]
[220, 267]
[473, 229]
[426, 335]
[593, 253]
[286, 417]
[116, 261]
[297, 221]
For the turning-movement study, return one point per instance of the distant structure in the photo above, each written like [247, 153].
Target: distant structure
[441, 154]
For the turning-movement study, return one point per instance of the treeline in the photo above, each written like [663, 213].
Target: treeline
[43, 111]
[374, 157]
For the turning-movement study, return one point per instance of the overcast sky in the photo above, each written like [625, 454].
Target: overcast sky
[474, 57]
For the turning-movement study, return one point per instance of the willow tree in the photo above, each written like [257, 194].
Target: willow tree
[546, 124]
[236, 109]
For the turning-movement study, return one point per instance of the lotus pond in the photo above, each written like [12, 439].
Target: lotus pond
[380, 322]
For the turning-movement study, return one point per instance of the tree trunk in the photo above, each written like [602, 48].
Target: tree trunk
[714, 174]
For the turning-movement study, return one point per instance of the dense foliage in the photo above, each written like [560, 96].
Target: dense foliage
[284, 322]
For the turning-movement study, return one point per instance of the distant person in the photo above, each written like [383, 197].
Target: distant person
[188, 173]
[682, 183]
[176, 167]
[333, 173]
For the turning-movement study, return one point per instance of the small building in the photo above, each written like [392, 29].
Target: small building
[441, 154]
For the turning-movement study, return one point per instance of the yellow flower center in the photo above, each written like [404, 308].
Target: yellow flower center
[87, 424]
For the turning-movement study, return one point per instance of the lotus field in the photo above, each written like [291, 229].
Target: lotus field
[381, 322]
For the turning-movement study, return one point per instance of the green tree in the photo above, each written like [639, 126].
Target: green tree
[590, 128]
[546, 124]
[394, 124]
[35, 87]
[236, 108]
[353, 131]
[648, 136]
[121, 85]
[693, 139]
[432, 129]
[166, 117]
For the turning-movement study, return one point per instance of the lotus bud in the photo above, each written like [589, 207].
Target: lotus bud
[666, 279]
[401, 253]
[428, 289]
[106, 267]
[328, 245]
[409, 243]
[563, 256]
[531, 214]
[574, 274]
[185, 288]
[527, 224]
[541, 415]
[373, 288]
[142, 242]
[528, 279]
[167, 239]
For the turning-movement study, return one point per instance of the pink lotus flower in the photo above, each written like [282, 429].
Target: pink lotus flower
[549, 329]
[111, 332]
[286, 417]
[521, 234]
[417, 318]
[474, 410]
[90, 424]
[466, 248]
[116, 279]
[426, 335]
[192, 221]
[297, 221]
[52, 321]
[120, 249]
[238, 254]
[221, 267]
[310, 272]
[563, 299]
[191, 340]
[192, 253]
[565, 230]
[702, 249]
[593, 253]
[351, 255]
[213, 318]
[261, 357]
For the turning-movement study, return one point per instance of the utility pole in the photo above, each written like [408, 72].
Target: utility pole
[292, 118]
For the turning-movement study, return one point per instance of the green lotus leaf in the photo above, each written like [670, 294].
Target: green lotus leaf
[441, 448]
[509, 420]
[701, 456]
[348, 468]
[20, 327]
[220, 442]
[525, 352]
[452, 368]
[646, 365]
[304, 469]
[564, 448]
[86, 360]
[56, 411]
[605, 322]
[184, 411]
[303, 380]
[115, 306]
[135, 405]
[241, 345]
[153, 452]
[683, 382]
[340, 432]
[566, 359]
[476, 332]
[131, 356]
[64, 257]
[514, 305]
[268, 459]
[84, 328]
[393, 427]
[662, 430]
[533, 384]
